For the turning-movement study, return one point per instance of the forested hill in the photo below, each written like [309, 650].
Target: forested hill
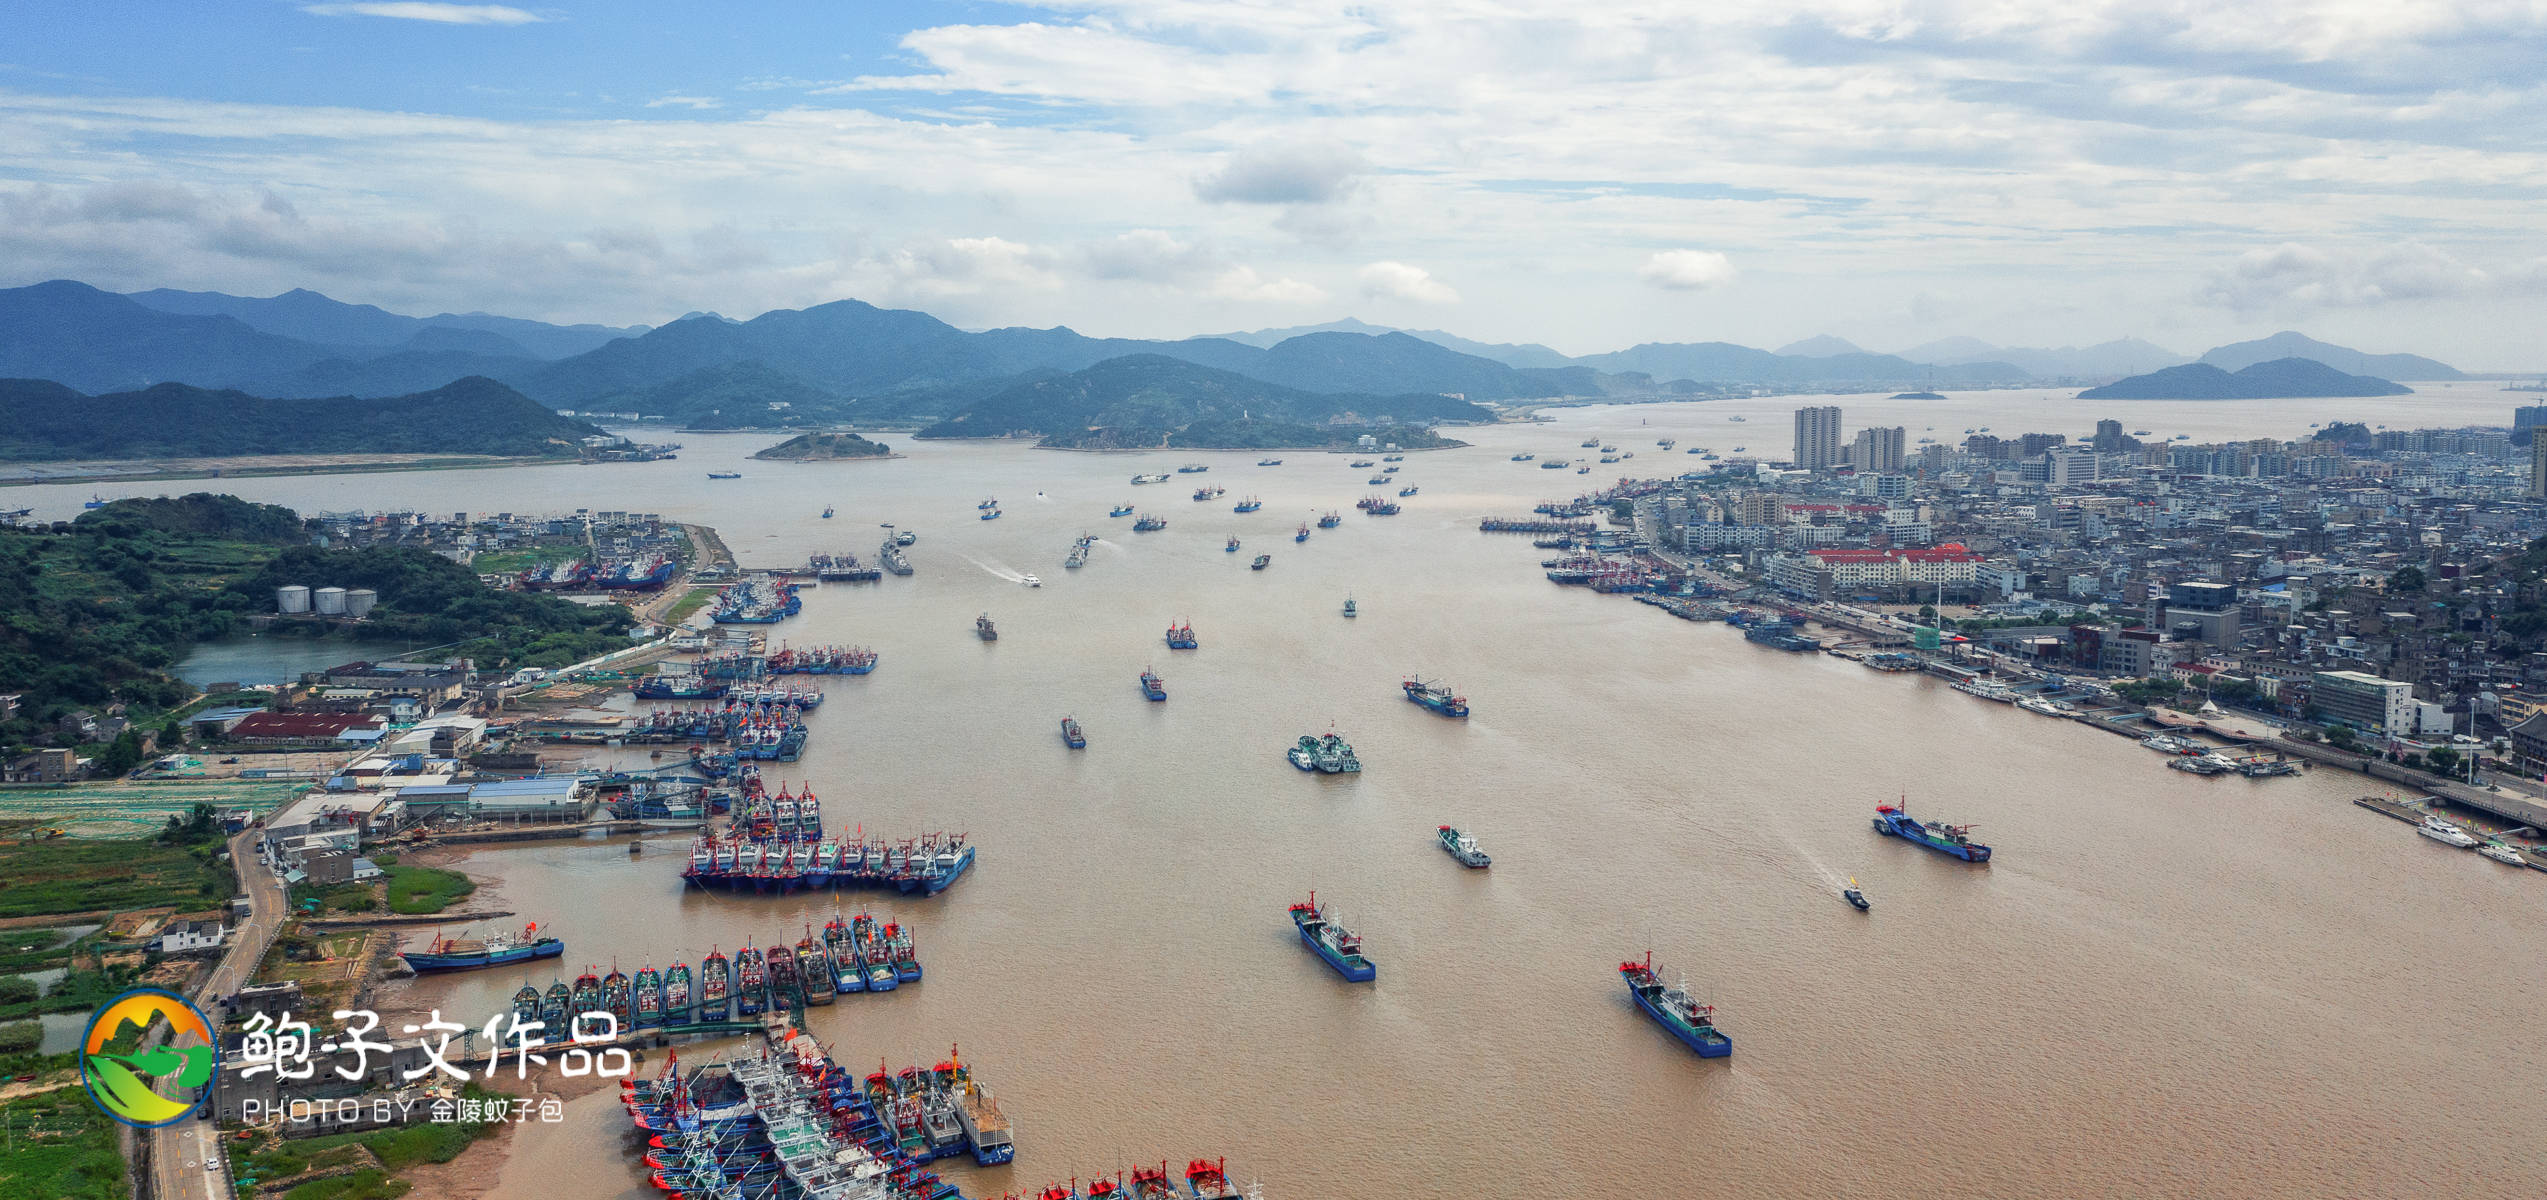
[41, 420]
[99, 609]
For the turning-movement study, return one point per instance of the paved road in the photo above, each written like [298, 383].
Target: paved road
[185, 1158]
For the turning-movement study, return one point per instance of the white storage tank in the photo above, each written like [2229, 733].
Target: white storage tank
[291, 599]
[331, 601]
[358, 602]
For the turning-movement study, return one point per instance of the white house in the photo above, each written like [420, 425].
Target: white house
[187, 937]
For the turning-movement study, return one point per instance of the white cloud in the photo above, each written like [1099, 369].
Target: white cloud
[1687, 270]
[1150, 255]
[1243, 283]
[420, 10]
[693, 103]
[1283, 174]
[2294, 276]
[1404, 281]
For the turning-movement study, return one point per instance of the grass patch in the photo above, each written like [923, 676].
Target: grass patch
[689, 604]
[60, 1148]
[514, 562]
[417, 890]
[361, 1185]
[68, 875]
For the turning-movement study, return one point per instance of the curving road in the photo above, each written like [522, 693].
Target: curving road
[184, 1160]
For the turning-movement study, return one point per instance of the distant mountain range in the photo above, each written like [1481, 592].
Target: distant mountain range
[2239, 355]
[2126, 356]
[310, 317]
[41, 420]
[2279, 379]
[848, 360]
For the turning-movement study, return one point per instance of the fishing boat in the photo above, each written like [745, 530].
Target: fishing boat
[1672, 1008]
[716, 987]
[1359, 463]
[677, 994]
[463, 954]
[1464, 848]
[1436, 696]
[1304, 755]
[983, 629]
[554, 1005]
[1302, 535]
[993, 502]
[1335, 756]
[1331, 520]
[1232, 547]
[1855, 895]
[1149, 524]
[1120, 510]
[826, 512]
[846, 973]
[1894, 820]
[1180, 636]
[905, 538]
[1151, 686]
[1208, 1179]
[751, 981]
[646, 1003]
[1070, 734]
[1377, 480]
[1250, 504]
[1340, 948]
[617, 998]
[992, 515]
[1269, 462]
[786, 989]
[1262, 561]
[725, 474]
[1523, 457]
[813, 970]
[1192, 469]
[1408, 491]
[1349, 609]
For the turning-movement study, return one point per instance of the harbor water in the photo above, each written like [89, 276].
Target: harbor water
[2163, 985]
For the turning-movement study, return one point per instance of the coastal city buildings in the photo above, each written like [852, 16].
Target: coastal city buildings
[2380, 581]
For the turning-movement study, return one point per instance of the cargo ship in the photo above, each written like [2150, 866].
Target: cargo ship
[1180, 636]
[1464, 848]
[1152, 688]
[465, 954]
[1071, 736]
[1894, 820]
[1338, 947]
[1262, 561]
[1149, 524]
[986, 1129]
[1436, 696]
[1673, 1009]
[841, 568]
[678, 687]
[983, 629]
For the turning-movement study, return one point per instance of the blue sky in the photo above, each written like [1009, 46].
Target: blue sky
[1585, 176]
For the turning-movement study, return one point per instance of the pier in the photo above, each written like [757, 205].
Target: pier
[1526, 525]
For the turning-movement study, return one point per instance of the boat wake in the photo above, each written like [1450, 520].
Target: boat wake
[995, 570]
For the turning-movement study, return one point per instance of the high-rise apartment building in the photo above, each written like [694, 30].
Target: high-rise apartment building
[1817, 437]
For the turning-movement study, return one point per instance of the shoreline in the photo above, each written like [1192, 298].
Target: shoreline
[211, 469]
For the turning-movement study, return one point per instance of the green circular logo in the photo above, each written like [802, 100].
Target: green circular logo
[123, 1084]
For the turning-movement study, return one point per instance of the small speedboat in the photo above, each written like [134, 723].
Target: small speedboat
[2502, 853]
[1031, 581]
[1854, 896]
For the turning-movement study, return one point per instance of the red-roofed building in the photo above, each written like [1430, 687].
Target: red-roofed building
[305, 727]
